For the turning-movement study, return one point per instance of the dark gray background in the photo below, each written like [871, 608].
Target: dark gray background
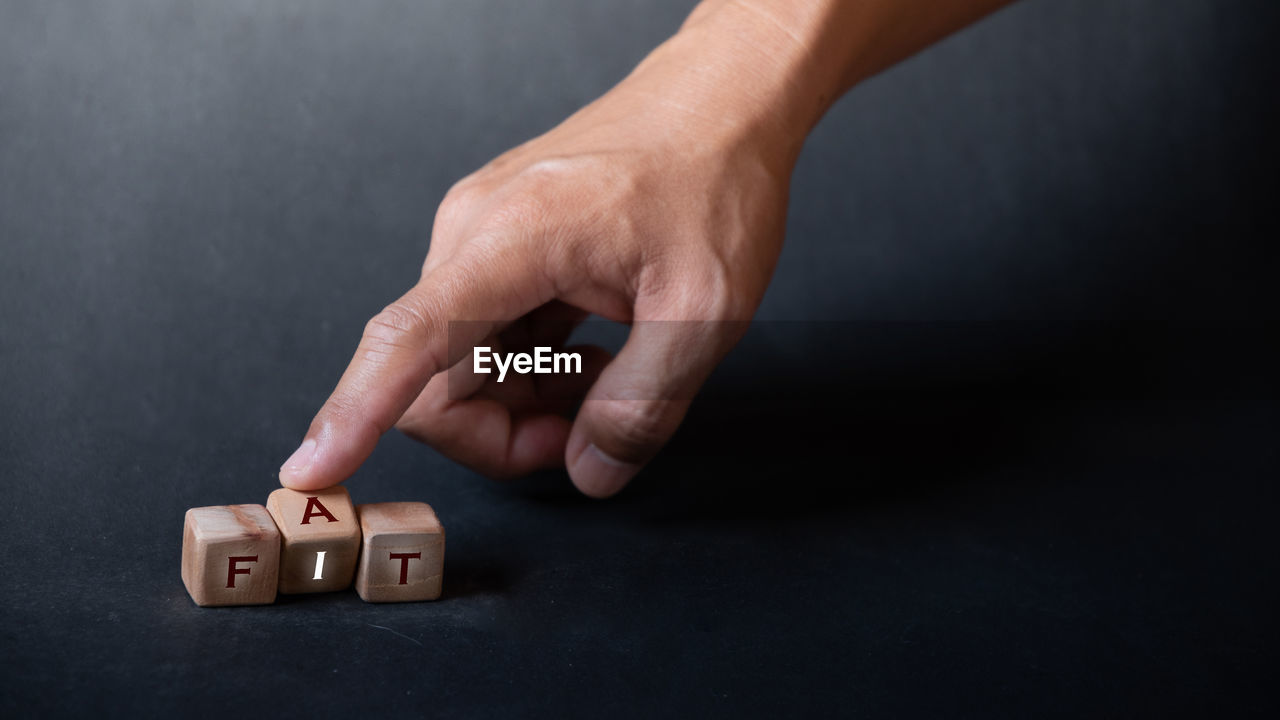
[1008, 449]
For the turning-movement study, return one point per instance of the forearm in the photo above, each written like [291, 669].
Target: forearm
[758, 68]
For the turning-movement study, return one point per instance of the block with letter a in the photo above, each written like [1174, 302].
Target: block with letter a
[403, 555]
[230, 555]
[320, 539]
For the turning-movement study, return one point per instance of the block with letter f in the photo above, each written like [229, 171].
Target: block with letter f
[230, 555]
[320, 539]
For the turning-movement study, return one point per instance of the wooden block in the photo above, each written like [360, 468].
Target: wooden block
[320, 539]
[403, 555]
[230, 555]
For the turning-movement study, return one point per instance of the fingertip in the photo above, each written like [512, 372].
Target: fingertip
[300, 481]
[302, 471]
[597, 474]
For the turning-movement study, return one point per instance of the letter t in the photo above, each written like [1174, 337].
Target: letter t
[404, 564]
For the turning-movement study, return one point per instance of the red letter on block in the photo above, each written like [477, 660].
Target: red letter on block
[233, 571]
[404, 564]
[314, 502]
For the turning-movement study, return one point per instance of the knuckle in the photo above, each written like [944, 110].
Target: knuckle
[723, 298]
[632, 430]
[463, 192]
[456, 204]
[395, 327]
[405, 329]
[710, 291]
[525, 207]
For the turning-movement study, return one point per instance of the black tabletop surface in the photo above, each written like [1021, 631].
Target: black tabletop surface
[1003, 441]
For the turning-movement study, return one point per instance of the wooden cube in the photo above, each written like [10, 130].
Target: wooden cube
[320, 539]
[230, 555]
[403, 555]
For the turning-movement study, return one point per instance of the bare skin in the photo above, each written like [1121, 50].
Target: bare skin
[665, 199]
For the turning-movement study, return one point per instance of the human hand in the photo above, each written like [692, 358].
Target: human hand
[661, 201]
[664, 200]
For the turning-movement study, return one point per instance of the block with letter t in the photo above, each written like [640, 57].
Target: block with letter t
[403, 555]
[320, 539]
[230, 555]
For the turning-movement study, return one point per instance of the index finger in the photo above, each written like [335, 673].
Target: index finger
[401, 349]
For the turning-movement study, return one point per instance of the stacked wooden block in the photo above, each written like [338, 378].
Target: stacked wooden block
[305, 542]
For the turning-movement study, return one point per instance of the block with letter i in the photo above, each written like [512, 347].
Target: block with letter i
[403, 555]
[230, 555]
[320, 539]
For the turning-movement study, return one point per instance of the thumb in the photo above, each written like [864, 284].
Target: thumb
[641, 398]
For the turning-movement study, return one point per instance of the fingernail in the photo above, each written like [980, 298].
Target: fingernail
[599, 475]
[298, 462]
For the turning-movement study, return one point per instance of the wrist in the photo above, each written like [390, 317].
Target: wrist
[745, 75]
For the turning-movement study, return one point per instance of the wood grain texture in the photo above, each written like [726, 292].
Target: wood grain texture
[314, 522]
[230, 555]
[402, 559]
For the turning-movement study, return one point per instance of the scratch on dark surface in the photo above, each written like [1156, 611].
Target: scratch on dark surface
[393, 632]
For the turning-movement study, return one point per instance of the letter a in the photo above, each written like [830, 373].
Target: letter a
[314, 502]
